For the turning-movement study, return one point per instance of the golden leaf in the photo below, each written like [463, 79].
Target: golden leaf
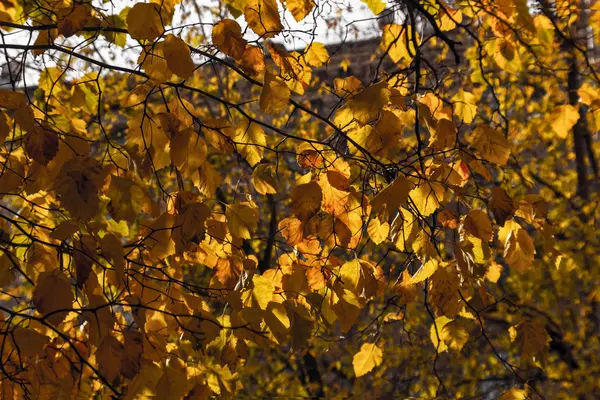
[501, 205]
[227, 37]
[262, 17]
[144, 21]
[71, 20]
[275, 95]
[378, 232]
[53, 296]
[563, 119]
[316, 55]
[242, 220]
[376, 6]
[369, 357]
[109, 357]
[77, 186]
[178, 57]
[491, 144]
[264, 180]
[306, 200]
[41, 145]
[427, 269]
[299, 8]
[478, 224]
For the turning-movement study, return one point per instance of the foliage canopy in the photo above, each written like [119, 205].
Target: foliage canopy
[203, 200]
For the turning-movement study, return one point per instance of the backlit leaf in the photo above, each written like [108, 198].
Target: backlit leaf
[369, 357]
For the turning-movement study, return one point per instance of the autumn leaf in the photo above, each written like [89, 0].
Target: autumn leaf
[41, 145]
[178, 57]
[77, 186]
[72, 19]
[563, 118]
[275, 95]
[316, 55]
[427, 269]
[227, 37]
[491, 144]
[369, 357]
[264, 179]
[299, 8]
[242, 220]
[144, 21]
[532, 339]
[378, 232]
[501, 205]
[263, 17]
[306, 200]
[52, 296]
[109, 357]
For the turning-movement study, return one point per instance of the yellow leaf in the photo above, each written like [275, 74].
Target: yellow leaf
[376, 6]
[131, 362]
[392, 196]
[152, 61]
[188, 151]
[292, 230]
[514, 394]
[112, 248]
[253, 60]
[29, 343]
[127, 199]
[71, 20]
[262, 291]
[532, 339]
[264, 180]
[144, 21]
[501, 205]
[275, 95]
[588, 94]
[227, 37]
[519, 250]
[444, 135]
[178, 57]
[436, 330]
[346, 86]
[299, 8]
[334, 187]
[7, 275]
[563, 119]
[427, 197]
[347, 309]
[242, 220]
[465, 106]
[378, 232]
[478, 224]
[369, 357]
[77, 186]
[53, 293]
[493, 273]
[306, 200]
[12, 100]
[443, 291]
[316, 55]
[109, 356]
[454, 335]
[250, 141]
[364, 106]
[41, 145]
[491, 144]
[262, 17]
[394, 40]
[427, 269]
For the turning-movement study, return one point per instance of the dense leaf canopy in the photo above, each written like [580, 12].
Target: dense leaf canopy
[264, 198]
